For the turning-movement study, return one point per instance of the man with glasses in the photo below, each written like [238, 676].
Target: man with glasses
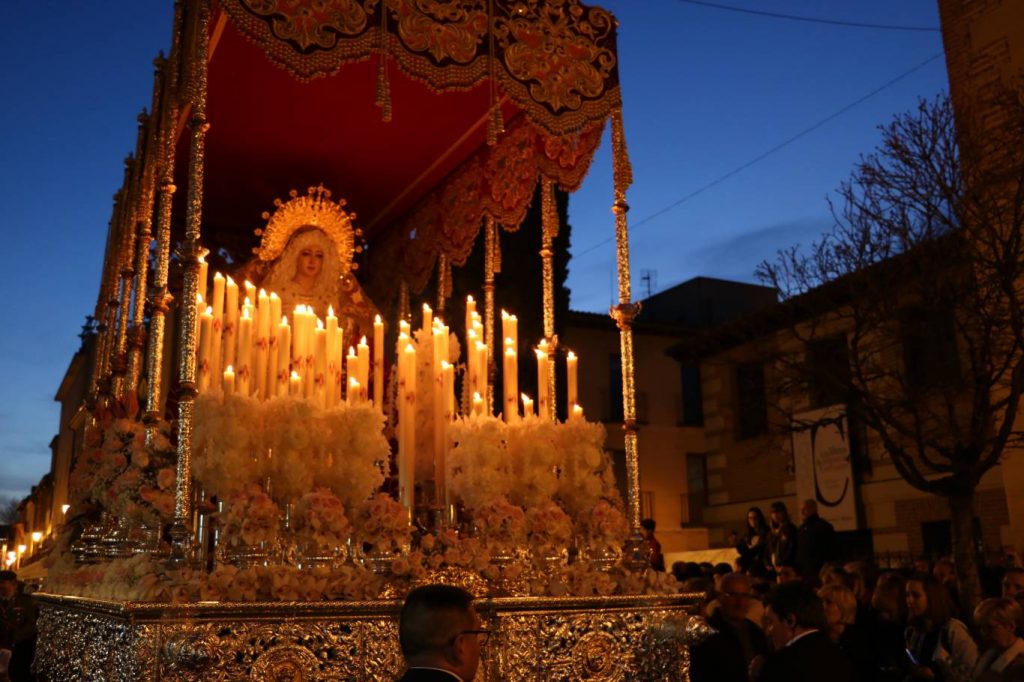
[440, 635]
[726, 655]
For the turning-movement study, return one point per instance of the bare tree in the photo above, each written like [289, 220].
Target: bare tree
[9, 511]
[921, 276]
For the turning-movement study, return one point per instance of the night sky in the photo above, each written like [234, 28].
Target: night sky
[738, 124]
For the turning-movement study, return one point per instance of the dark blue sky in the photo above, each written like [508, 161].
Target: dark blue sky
[706, 91]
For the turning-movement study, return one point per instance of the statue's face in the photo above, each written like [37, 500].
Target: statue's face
[310, 262]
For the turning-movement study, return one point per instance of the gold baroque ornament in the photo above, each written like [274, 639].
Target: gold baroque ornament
[315, 209]
[598, 639]
[445, 30]
[290, 663]
[315, 25]
[596, 656]
[558, 48]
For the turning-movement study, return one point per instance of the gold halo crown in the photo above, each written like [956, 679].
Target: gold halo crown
[317, 210]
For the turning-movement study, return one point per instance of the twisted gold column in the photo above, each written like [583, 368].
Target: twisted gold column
[144, 219]
[624, 313]
[444, 282]
[490, 267]
[126, 254]
[115, 293]
[129, 272]
[190, 252]
[96, 383]
[549, 230]
[160, 300]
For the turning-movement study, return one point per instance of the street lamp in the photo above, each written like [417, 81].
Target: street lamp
[11, 558]
[36, 537]
[21, 550]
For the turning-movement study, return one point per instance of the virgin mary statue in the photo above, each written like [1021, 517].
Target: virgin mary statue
[305, 257]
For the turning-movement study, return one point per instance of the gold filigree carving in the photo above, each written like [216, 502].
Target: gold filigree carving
[289, 663]
[444, 30]
[557, 48]
[447, 46]
[315, 25]
[571, 638]
[316, 209]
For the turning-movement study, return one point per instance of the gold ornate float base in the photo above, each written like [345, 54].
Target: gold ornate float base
[544, 638]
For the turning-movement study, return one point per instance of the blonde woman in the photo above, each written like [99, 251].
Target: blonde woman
[997, 620]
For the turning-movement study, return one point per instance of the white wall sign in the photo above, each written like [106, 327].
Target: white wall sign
[821, 455]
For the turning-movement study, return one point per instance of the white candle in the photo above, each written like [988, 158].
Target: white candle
[298, 340]
[482, 366]
[333, 381]
[283, 357]
[204, 269]
[295, 385]
[472, 358]
[407, 426]
[263, 325]
[320, 364]
[470, 311]
[363, 351]
[352, 397]
[229, 337]
[478, 405]
[510, 386]
[448, 384]
[527, 405]
[203, 368]
[570, 379]
[542, 381]
[427, 317]
[577, 412]
[441, 456]
[244, 353]
[250, 290]
[351, 372]
[228, 382]
[218, 330]
[378, 362]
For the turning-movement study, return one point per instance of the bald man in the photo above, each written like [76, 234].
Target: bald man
[440, 635]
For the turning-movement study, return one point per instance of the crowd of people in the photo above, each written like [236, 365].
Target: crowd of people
[786, 612]
[17, 629]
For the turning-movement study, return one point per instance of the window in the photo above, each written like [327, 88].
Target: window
[828, 371]
[752, 417]
[930, 358]
[693, 400]
[693, 501]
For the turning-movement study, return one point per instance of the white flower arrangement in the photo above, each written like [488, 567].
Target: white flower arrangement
[320, 522]
[604, 526]
[382, 524]
[549, 526]
[531, 461]
[502, 524]
[240, 441]
[250, 517]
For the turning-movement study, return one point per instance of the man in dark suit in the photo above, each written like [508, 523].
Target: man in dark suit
[726, 655]
[795, 619]
[815, 541]
[440, 635]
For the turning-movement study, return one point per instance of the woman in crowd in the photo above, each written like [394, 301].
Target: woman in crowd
[939, 645]
[840, 605]
[996, 621]
[753, 544]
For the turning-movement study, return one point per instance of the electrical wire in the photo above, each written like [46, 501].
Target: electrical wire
[810, 20]
[760, 157]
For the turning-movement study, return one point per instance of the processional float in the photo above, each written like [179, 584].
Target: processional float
[436, 121]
